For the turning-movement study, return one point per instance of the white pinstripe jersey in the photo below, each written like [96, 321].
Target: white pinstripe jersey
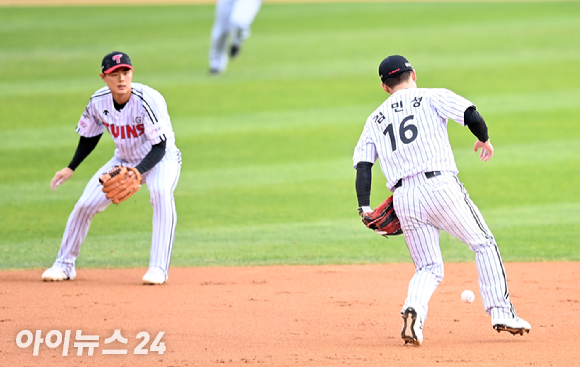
[408, 133]
[143, 122]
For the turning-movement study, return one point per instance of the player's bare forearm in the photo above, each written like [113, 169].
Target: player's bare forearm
[486, 149]
[60, 177]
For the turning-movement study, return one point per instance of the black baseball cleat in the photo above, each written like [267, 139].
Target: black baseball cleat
[513, 326]
[412, 332]
[234, 51]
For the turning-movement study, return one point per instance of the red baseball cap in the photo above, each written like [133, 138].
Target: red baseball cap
[115, 60]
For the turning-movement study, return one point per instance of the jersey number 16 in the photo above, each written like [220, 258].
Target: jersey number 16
[404, 127]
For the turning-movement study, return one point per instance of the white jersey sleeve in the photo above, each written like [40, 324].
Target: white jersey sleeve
[408, 133]
[365, 150]
[155, 117]
[449, 105]
[89, 124]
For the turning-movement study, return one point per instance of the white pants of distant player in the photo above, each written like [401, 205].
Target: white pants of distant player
[426, 205]
[161, 181]
[232, 18]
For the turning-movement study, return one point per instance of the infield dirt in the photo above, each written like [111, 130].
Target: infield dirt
[289, 316]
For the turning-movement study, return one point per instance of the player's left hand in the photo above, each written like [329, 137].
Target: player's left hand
[120, 183]
[486, 149]
[364, 209]
[383, 220]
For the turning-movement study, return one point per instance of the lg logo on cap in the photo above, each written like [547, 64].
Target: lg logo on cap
[117, 58]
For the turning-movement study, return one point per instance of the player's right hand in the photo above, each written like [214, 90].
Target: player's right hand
[486, 149]
[60, 177]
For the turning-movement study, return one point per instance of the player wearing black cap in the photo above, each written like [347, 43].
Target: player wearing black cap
[408, 135]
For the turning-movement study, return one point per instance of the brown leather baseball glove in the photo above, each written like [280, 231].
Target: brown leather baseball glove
[383, 220]
[120, 183]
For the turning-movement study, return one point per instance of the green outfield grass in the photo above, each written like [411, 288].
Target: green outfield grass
[267, 174]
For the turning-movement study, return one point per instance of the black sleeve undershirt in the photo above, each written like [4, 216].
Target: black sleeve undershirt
[475, 122]
[85, 147]
[152, 158]
[363, 181]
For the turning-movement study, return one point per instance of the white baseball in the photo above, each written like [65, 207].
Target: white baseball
[467, 296]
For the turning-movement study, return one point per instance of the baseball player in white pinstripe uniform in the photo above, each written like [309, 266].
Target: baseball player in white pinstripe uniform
[408, 135]
[233, 19]
[136, 117]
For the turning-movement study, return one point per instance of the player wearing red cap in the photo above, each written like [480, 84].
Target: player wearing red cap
[136, 117]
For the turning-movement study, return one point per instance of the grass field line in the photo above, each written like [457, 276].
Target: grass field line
[273, 120]
[538, 215]
[547, 152]
[485, 27]
[200, 181]
[301, 172]
[262, 233]
[565, 99]
[534, 216]
[489, 28]
[285, 70]
[551, 151]
[342, 229]
[267, 175]
[52, 136]
[280, 232]
[48, 3]
[61, 19]
[357, 114]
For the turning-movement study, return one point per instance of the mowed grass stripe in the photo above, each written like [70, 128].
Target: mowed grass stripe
[21, 138]
[319, 69]
[287, 46]
[511, 157]
[318, 242]
[272, 139]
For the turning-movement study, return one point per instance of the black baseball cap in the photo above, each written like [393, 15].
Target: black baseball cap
[115, 60]
[393, 65]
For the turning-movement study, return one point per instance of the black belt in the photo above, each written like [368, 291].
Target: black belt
[427, 174]
[432, 174]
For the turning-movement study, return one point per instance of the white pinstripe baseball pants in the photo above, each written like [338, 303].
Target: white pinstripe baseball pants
[233, 18]
[161, 181]
[425, 206]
